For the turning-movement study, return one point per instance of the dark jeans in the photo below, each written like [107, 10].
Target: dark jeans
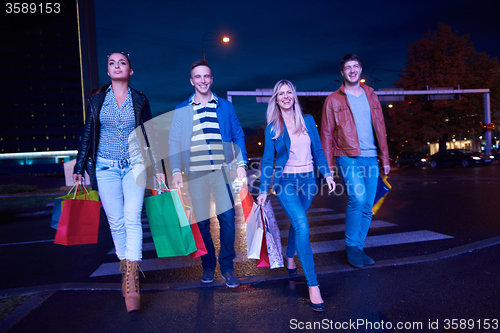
[203, 184]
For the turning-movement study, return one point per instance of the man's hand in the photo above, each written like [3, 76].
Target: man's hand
[261, 199]
[242, 173]
[177, 181]
[387, 169]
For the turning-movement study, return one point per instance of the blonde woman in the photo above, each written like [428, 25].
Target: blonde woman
[294, 138]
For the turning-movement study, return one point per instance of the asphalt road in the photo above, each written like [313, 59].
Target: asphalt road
[427, 213]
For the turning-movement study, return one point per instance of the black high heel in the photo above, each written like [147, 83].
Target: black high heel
[320, 307]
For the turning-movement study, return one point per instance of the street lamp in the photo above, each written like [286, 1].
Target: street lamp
[224, 39]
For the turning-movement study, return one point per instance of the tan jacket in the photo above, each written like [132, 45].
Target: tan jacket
[338, 130]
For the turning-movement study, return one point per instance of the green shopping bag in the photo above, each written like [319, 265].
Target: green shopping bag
[169, 225]
[59, 201]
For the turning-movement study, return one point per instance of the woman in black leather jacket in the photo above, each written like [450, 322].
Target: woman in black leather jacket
[114, 111]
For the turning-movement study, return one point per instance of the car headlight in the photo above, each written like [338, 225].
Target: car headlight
[476, 158]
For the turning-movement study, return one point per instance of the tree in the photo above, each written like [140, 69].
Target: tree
[442, 59]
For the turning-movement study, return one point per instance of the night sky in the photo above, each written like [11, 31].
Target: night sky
[302, 41]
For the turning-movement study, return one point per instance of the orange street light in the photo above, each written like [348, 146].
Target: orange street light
[224, 39]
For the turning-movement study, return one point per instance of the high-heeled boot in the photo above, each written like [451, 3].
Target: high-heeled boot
[132, 295]
[123, 271]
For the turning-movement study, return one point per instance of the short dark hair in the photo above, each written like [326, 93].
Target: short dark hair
[201, 62]
[349, 57]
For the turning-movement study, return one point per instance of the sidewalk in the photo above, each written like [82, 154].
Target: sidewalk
[434, 293]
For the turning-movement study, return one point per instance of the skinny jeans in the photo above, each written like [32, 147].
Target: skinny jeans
[295, 193]
[122, 200]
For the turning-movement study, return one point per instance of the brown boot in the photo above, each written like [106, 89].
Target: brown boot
[132, 295]
[123, 270]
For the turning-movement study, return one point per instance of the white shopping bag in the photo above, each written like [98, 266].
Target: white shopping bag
[255, 232]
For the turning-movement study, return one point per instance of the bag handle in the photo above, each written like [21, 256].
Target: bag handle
[161, 186]
[86, 194]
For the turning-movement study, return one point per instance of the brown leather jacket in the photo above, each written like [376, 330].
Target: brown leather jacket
[338, 130]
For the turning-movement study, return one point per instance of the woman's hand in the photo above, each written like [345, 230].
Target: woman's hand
[331, 183]
[261, 199]
[77, 178]
[160, 177]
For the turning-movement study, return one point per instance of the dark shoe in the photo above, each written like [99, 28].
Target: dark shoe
[318, 307]
[365, 259]
[354, 256]
[231, 279]
[208, 276]
[291, 271]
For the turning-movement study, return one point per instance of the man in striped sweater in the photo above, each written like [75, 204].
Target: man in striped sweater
[204, 138]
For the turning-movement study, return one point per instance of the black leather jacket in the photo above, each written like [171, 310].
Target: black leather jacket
[89, 142]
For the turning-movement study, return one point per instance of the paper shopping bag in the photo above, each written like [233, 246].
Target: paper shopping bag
[273, 237]
[59, 201]
[169, 225]
[383, 188]
[263, 261]
[79, 222]
[246, 201]
[255, 232]
[201, 249]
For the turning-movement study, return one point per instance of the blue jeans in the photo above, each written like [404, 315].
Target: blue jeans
[360, 175]
[203, 184]
[122, 201]
[295, 193]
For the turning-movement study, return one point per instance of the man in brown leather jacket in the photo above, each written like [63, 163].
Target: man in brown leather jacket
[353, 130]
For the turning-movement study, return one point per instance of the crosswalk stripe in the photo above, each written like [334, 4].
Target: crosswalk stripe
[317, 247]
[338, 228]
[381, 240]
[309, 218]
[149, 246]
[310, 211]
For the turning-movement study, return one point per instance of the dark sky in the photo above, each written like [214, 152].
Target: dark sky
[302, 41]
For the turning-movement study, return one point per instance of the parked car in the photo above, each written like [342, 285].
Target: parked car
[413, 159]
[465, 158]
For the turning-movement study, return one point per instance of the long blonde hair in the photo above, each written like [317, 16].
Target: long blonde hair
[274, 116]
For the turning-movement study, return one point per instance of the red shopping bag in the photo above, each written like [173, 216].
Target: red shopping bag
[79, 222]
[246, 201]
[201, 249]
[264, 255]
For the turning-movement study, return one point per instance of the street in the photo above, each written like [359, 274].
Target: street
[427, 212]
